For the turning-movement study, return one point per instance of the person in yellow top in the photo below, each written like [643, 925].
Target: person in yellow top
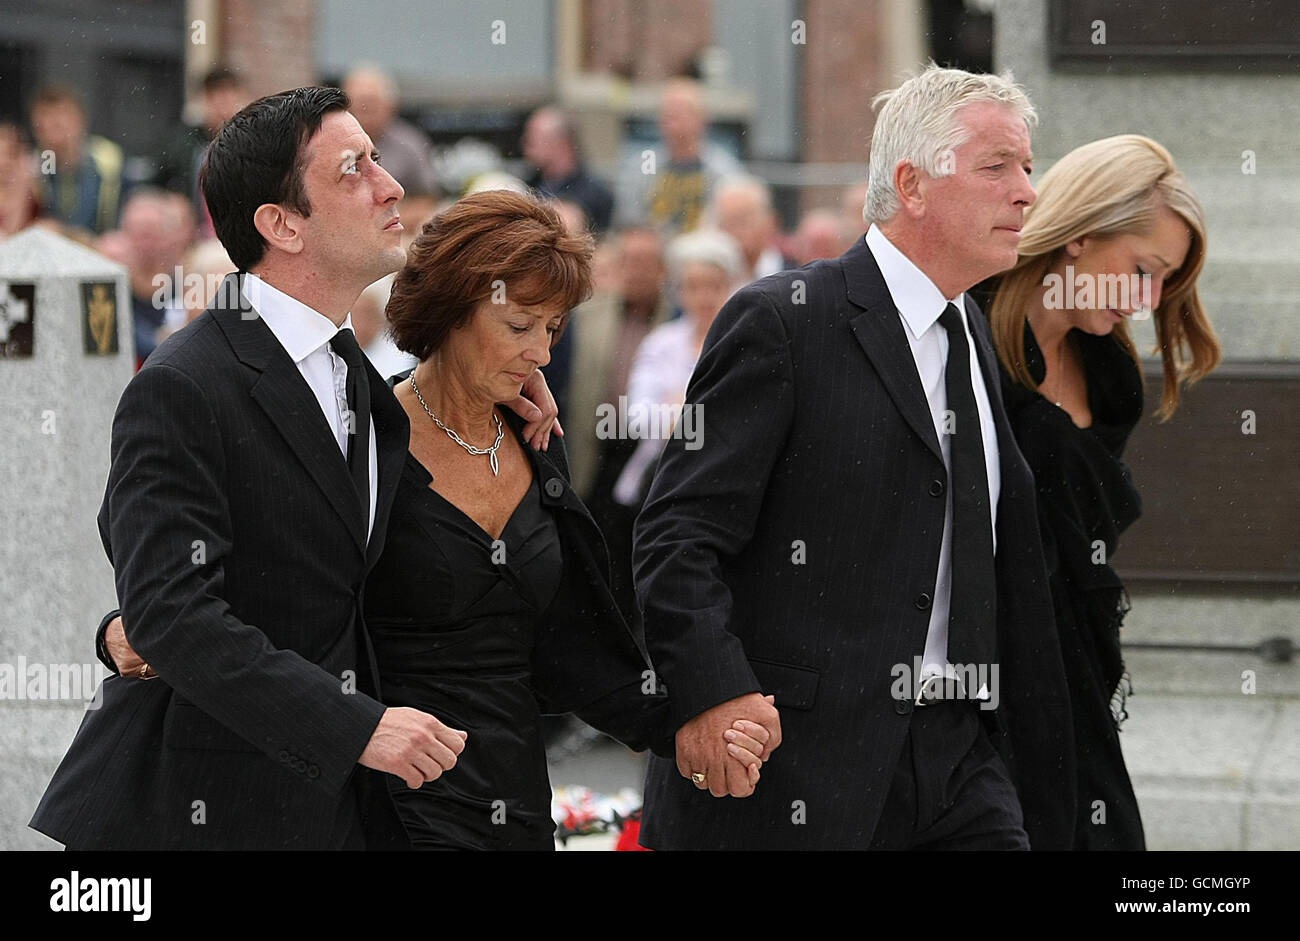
[80, 173]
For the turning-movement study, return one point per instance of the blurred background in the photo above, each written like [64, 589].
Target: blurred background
[755, 116]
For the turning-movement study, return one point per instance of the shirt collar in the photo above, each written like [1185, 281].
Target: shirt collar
[300, 329]
[917, 298]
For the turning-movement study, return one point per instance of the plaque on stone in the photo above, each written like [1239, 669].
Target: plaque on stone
[99, 317]
[1122, 35]
[17, 319]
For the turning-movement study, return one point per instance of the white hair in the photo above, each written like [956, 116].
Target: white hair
[707, 247]
[918, 124]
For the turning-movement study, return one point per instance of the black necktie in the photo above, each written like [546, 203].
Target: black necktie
[972, 611]
[357, 422]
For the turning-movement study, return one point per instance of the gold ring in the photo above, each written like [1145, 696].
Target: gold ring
[144, 672]
[698, 777]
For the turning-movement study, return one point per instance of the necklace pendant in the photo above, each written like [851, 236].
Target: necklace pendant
[492, 459]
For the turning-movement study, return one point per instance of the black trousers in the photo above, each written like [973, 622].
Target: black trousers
[951, 790]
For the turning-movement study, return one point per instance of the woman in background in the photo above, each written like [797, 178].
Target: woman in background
[704, 268]
[1116, 234]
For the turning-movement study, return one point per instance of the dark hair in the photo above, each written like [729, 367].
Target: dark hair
[258, 158]
[221, 77]
[490, 236]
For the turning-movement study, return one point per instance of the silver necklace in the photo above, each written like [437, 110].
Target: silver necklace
[490, 452]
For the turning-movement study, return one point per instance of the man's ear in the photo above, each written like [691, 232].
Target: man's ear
[281, 228]
[907, 184]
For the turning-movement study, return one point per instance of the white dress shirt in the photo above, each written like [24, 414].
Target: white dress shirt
[305, 336]
[919, 304]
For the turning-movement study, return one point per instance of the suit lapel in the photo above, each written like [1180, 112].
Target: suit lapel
[288, 401]
[879, 331]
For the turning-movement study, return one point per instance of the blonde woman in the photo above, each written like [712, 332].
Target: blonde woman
[1115, 235]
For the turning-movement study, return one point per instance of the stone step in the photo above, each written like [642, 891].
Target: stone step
[1215, 773]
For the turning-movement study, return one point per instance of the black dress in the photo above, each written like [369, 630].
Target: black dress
[454, 632]
[488, 635]
[1086, 498]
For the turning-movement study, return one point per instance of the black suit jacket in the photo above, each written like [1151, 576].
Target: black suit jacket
[240, 555]
[794, 553]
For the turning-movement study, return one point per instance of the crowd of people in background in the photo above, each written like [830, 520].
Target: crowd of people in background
[677, 230]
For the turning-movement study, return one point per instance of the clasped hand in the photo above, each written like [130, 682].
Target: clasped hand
[727, 744]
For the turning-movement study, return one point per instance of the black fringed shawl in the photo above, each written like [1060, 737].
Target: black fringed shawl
[1086, 498]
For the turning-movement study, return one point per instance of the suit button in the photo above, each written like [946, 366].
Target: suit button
[902, 706]
[922, 601]
[283, 756]
[313, 771]
[554, 487]
[936, 488]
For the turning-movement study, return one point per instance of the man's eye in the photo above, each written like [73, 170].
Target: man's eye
[350, 169]
[518, 329]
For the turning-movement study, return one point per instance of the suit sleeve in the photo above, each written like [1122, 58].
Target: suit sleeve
[704, 503]
[633, 717]
[166, 498]
[101, 647]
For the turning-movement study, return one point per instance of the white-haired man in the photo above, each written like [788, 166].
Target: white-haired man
[854, 531]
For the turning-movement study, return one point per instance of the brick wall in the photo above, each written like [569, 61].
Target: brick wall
[269, 42]
[843, 70]
[645, 40]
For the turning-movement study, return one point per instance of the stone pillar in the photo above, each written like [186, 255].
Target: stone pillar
[66, 353]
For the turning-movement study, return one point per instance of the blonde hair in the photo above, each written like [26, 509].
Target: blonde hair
[918, 124]
[1111, 187]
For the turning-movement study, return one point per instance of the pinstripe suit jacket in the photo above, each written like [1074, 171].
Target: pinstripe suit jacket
[240, 555]
[791, 551]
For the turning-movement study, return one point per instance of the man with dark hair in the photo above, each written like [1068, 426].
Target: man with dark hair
[224, 94]
[81, 173]
[254, 462]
